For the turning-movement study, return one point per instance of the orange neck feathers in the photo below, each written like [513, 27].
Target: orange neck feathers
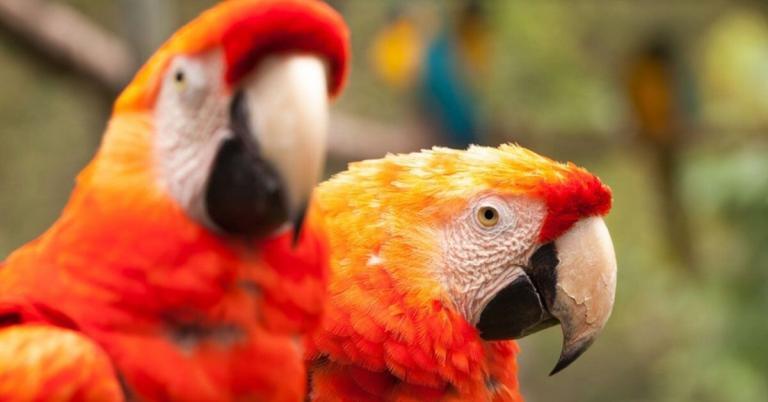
[376, 343]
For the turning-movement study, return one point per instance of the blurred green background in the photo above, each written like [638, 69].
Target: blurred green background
[666, 101]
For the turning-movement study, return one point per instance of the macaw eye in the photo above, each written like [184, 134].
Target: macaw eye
[180, 80]
[488, 216]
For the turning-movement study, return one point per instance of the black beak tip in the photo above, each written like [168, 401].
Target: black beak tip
[562, 363]
[569, 355]
[298, 225]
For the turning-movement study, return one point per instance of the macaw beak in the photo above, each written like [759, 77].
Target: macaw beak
[283, 60]
[570, 281]
[264, 173]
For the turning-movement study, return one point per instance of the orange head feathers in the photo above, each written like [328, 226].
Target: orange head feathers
[435, 183]
[248, 30]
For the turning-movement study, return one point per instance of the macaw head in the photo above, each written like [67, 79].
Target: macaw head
[512, 241]
[234, 112]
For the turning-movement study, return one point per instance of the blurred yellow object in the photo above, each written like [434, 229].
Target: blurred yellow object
[396, 53]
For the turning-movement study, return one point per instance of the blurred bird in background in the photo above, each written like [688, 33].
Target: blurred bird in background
[397, 49]
[662, 99]
[440, 67]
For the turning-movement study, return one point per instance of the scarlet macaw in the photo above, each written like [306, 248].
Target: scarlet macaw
[173, 273]
[440, 258]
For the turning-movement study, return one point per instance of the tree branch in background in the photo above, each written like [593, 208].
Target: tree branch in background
[60, 34]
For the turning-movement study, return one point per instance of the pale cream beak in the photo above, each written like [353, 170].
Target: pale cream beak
[570, 281]
[585, 287]
[287, 98]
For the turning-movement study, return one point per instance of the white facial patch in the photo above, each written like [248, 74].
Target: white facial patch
[480, 258]
[287, 104]
[191, 120]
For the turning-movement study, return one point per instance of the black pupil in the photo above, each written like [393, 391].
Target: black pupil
[488, 214]
[179, 76]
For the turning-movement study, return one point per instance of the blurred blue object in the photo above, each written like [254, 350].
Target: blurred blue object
[446, 95]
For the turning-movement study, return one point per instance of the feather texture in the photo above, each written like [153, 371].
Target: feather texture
[42, 363]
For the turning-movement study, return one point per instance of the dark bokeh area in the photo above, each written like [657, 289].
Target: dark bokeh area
[667, 103]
